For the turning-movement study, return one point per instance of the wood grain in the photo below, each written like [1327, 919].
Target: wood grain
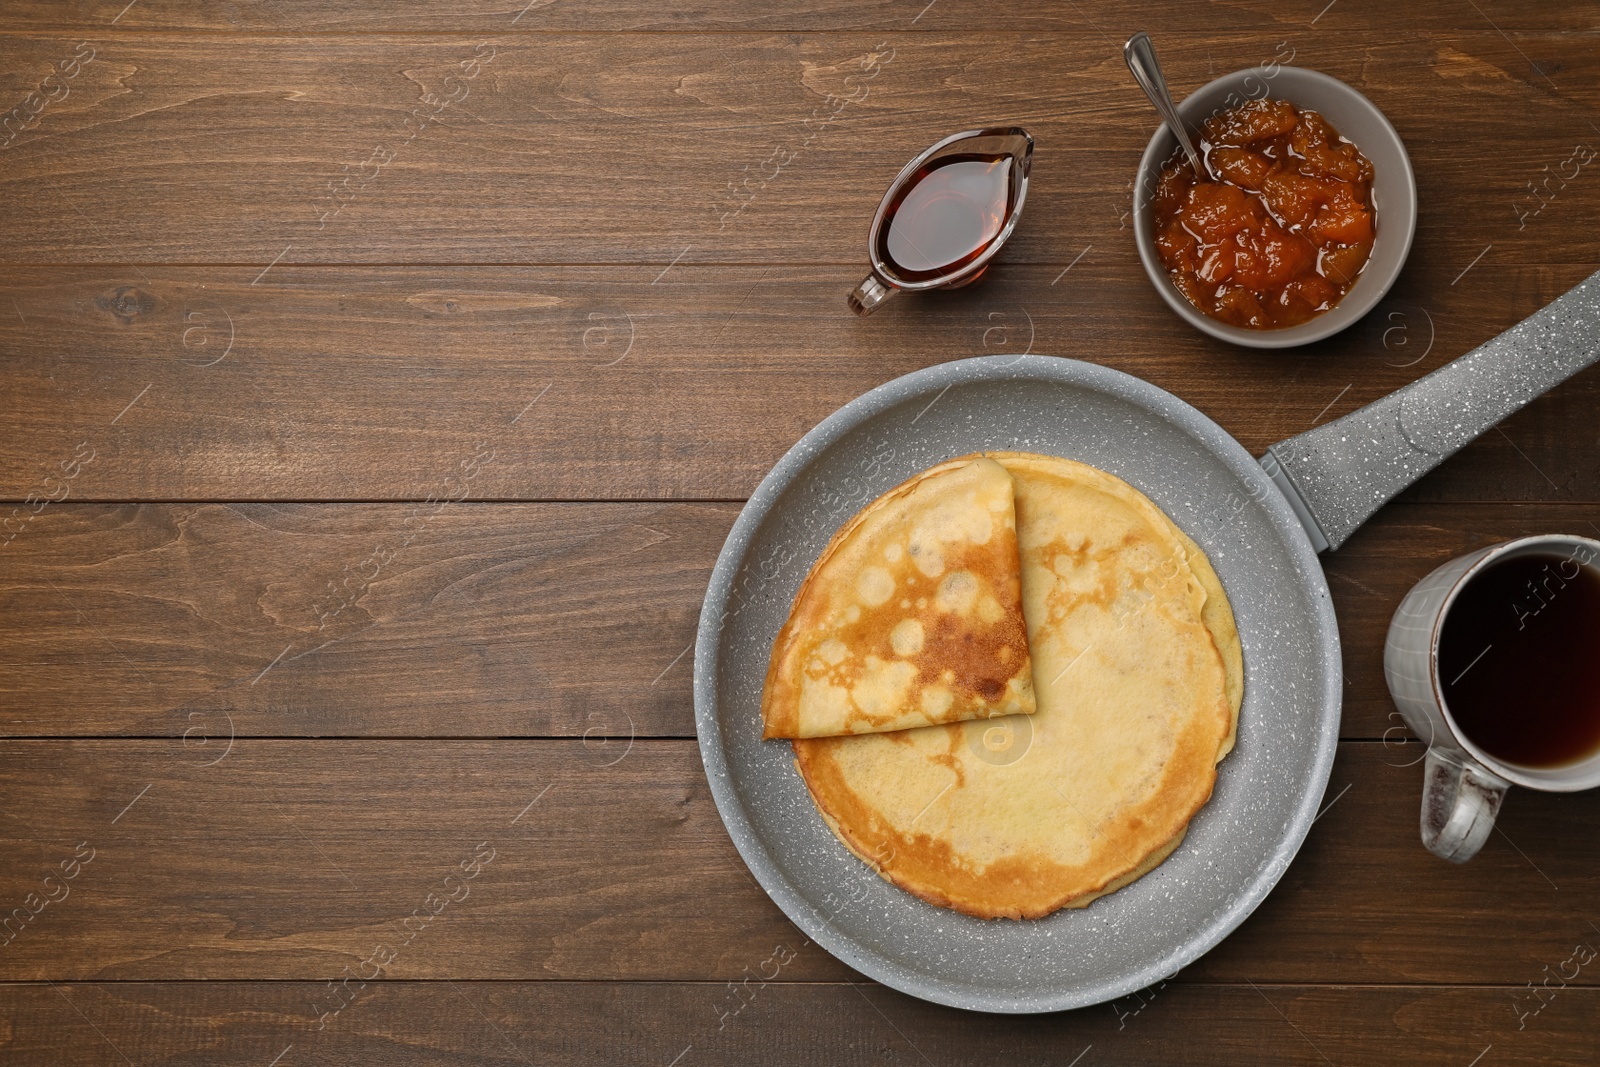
[645, 149]
[307, 620]
[368, 383]
[272, 290]
[854, 1024]
[1114, 18]
[293, 859]
[491, 621]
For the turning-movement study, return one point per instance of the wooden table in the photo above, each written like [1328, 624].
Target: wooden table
[381, 379]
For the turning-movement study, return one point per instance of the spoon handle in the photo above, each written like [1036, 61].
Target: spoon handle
[1141, 57]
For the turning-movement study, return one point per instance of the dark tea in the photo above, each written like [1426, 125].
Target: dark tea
[947, 214]
[1519, 660]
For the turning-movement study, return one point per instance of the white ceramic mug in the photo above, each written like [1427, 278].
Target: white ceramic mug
[1464, 785]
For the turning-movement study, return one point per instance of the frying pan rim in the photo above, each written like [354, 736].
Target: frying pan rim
[1223, 448]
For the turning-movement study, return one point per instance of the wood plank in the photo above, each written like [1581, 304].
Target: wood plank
[471, 1024]
[473, 620]
[294, 859]
[1116, 18]
[725, 147]
[369, 383]
[497, 620]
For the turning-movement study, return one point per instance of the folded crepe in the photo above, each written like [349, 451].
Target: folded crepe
[1139, 681]
[911, 617]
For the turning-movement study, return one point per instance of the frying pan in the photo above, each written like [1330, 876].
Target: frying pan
[1261, 523]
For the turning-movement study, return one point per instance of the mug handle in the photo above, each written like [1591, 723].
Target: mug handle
[1460, 798]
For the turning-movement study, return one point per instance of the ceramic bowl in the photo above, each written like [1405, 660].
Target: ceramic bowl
[1394, 194]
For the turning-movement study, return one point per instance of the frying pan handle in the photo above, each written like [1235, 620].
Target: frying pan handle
[1337, 475]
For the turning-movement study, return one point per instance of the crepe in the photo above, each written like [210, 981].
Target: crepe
[1138, 677]
[911, 617]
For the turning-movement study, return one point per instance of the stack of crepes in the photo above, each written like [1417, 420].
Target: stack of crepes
[1009, 682]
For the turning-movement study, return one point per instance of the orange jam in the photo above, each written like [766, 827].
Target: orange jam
[1281, 226]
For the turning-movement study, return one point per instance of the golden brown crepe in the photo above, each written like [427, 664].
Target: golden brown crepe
[1139, 679]
[912, 616]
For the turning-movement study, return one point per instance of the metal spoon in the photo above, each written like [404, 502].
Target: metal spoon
[1141, 57]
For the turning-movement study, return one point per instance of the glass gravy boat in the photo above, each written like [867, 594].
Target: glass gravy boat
[947, 214]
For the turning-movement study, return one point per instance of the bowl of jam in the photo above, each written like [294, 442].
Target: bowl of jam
[1300, 223]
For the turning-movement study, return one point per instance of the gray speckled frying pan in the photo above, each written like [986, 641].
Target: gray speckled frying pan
[1262, 525]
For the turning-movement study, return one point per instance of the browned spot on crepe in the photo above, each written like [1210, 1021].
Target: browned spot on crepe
[912, 616]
